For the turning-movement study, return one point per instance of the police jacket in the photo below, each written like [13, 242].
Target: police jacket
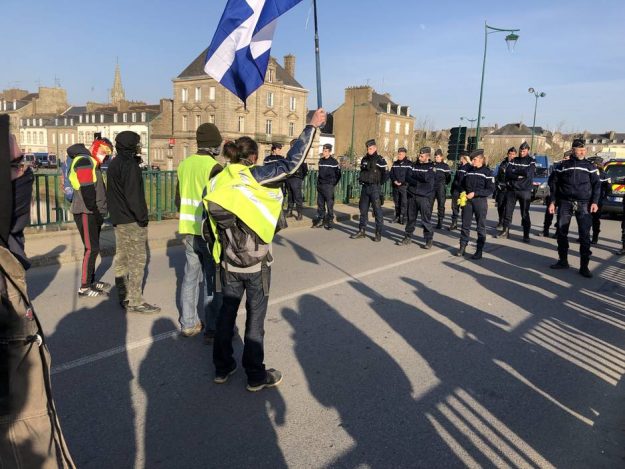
[301, 172]
[400, 170]
[443, 173]
[479, 181]
[421, 179]
[373, 169]
[329, 171]
[577, 180]
[520, 173]
[272, 159]
[500, 177]
[456, 185]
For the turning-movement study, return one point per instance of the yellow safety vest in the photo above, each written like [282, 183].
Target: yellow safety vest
[193, 175]
[73, 177]
[236, 190]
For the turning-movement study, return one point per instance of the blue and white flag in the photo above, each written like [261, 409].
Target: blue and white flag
[239, 52]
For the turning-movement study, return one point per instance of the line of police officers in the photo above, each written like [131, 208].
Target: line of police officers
[576, 188]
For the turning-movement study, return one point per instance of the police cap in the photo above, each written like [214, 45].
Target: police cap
[478, 152]
[370, 143]
[425, 150]
[402, 150]
[578, 143]
[511, 150]
[524, 146]
[327, 146]
[438, 152]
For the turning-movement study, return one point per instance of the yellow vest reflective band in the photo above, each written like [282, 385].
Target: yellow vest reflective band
[73, 177]
[236, 190]
[193, 174]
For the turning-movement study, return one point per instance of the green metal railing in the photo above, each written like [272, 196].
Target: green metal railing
[50, 207]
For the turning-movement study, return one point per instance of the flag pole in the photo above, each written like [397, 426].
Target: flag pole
[317, 57]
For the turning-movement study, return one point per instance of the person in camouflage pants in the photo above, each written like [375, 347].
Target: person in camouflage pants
[130, 259]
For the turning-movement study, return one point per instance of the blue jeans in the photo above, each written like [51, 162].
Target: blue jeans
[199, 267]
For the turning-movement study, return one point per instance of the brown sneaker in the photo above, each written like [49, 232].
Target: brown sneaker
[191, 331]
[143, 308]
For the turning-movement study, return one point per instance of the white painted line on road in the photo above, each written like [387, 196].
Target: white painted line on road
[166, 335]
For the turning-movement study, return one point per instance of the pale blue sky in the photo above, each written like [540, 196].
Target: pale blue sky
[426, 54]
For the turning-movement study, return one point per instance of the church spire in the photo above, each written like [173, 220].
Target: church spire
[117, 92]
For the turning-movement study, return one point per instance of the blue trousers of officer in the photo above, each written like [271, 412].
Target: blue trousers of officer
[524, 198]
[294, 190]
[370, 194]
[325, 201]
[566, 210]
[440, 196]
[500, 200]
[423, 205]
[476, 207]
[596, 222]
[455, 208]
[400, 198]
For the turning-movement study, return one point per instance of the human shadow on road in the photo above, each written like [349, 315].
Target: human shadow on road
[192, 422]
[93, 391]
[177, 261]
[40, 278]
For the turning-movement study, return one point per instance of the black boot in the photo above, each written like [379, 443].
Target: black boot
[504, 233]
[378, 236]
[317, 223]
[298, 215]
[360, 234]
[453, 226]
[328, 223]
[595, 238]
[439, 225]
[544, 233]
[289, 213]
[428, 244]
[122, 291]
[396, 219]
[526, 236]
[402, 220]
[562, 263]
[406, 240]
[460, 251]
[584, 271]
[480, 248]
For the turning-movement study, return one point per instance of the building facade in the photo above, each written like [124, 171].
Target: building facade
[496, 143]
[366, 114]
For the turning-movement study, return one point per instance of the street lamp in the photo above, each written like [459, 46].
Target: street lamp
[471, 121]
[536, 95]
[511, 39]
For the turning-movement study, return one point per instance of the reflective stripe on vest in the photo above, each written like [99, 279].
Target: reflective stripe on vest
[236, 190]
[193, 175]
[73, 177]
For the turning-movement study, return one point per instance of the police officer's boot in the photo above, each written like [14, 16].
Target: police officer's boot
[328, 223]
[298, 214]
[453, 226]
[397, 219]
[289, 213]
[122, 291]
[562, 263]
[595, 238]
[504, 233]
[526, 236]
[460, 252]
[583, 267]
[544, 233]
[428, 244]
[439, 225]
[317, 222]
[378, 236]
[402, 220]
[360, 234]
[480, 248]
[405, 241]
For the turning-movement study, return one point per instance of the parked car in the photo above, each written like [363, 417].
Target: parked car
[613, 202]
[540, 189]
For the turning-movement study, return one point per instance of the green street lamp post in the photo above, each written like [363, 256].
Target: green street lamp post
[536, 95]
[511, 39]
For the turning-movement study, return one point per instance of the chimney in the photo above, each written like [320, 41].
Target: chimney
[289, 64]
[612, 135]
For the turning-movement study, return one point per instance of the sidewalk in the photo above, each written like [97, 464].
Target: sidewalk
[60, 247]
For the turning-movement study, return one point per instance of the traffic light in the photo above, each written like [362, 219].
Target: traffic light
[471, 144]
[457, 139]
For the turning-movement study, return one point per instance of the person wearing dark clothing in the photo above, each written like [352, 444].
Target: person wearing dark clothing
[501, 189]
[443, 177]
[328, 177]
[605, 188]
[129, 215]
[577, 191]
[456, 187]
[421, 181]
[373, 174]
[548, 220]
[479, 185]
[398, 174]
[294, 191]
[519, 177]
[273, 157]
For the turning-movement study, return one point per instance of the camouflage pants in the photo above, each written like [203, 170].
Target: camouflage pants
[130, 258]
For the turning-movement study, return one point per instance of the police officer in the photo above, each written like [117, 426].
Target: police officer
[421, 186]
[479, 184]
[294, 189]
[372, 175]
[274, 156]
[519, 177]
[399, 170]
[456, 187]
[500, 186]
[605, 187]
[443, 177]
[551, 197]
[328, 177]
[577, 193]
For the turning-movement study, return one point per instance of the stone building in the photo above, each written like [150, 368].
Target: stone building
[609, 144]
[276, 112]
[47, 102]
[366, 114]
[496, 143]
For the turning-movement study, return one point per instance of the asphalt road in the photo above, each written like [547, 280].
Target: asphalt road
[392, 357]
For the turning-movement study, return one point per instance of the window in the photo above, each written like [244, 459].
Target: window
[407, 129]
[270, 75]
[241, 124]
[115, 118]
[211, 118]
[397, 127]
[144, 138]
[143, 116]
[66, 139]
[73, 138]
[291, 128]
[198, 120]
[292, 103]
[124, 117]
[81, 137]
[387, 126]
[198, 94]
[269, 99]
[27, 137]
[184, 95]
[186, 151]
[54, 139]
[92, 119]
[396, 146]
[268, 127]
[185, 123]
[134, 117]
[101, 118]
[386, 143]
[211, 93]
